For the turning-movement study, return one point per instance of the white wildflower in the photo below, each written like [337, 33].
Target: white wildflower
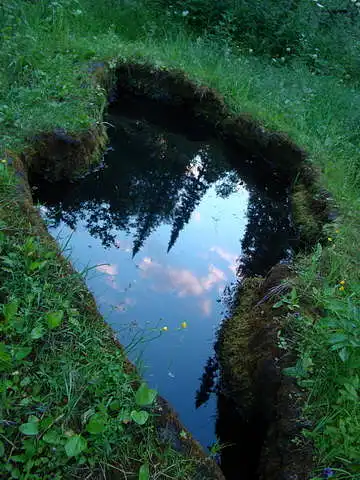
[185, 13]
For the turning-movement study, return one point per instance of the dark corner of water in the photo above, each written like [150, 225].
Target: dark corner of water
[172, 218]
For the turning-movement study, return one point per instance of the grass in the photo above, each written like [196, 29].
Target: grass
[45, 56]
[71, 404]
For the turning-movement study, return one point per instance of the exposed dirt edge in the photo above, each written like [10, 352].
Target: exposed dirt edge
[251, 363]
[276, 154]
[167, 422]
[175, 89]
[250, 359]
[248, 341]
[61, 155]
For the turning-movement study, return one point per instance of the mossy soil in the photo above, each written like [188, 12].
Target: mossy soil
[248, 346]
[267, 403]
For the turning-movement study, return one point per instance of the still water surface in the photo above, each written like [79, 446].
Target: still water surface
[161, 226]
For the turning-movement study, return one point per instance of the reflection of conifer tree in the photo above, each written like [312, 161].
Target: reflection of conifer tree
[147, 223]
[202, 172]
[146, 181]
[266, 240]
[207, 385]
[194, 189]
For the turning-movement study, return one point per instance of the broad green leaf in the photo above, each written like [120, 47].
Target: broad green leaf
[96, 424]
[37, 332]
[52, 437]
[343, 354]
[140, 417]
[145, 395]
[30, 446]
[114, 405]
[18, 458]
[15, 473]
[45, 423]
[75, 445]
[352, 392]
[144, 472]
[21, 352]
[19, 324]
[37, 265]
[337, 338]
[278, 304]
[10, 310]
[31, 428]
[54, 319]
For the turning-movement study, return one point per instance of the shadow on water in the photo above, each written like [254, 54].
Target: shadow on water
[158, 170]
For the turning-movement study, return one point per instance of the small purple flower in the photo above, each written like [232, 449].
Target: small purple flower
[328, 473]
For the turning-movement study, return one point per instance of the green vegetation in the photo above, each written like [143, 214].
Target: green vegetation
[297, 70]
[71, 404]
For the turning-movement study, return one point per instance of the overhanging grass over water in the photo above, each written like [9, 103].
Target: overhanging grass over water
[166, 218]
[45, 56]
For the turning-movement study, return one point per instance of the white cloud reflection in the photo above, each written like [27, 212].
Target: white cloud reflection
[183, 281]
[229, 257]
[109, 269]
[206, 306]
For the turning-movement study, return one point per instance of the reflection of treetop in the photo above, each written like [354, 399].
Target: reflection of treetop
[150, 178]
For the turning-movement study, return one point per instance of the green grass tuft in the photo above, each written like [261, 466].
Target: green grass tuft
[46, 50]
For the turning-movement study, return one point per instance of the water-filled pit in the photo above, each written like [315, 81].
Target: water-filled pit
[164, 228]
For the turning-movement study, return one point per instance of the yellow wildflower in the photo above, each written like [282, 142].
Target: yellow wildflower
[342, 288]
[330, 239]
[337, 231]
[342, 282]
[184, 325]
[164, 329]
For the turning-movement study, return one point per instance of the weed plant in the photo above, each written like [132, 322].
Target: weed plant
[51, 371]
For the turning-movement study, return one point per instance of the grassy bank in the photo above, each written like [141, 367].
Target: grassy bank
[71, 404]
[46, 54]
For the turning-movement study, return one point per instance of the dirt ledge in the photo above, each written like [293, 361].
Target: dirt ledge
[169, 428]
[251, 361]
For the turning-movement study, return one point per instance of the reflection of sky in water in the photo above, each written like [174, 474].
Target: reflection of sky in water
[154, 289]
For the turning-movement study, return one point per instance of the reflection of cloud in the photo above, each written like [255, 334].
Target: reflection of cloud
[215, 276]
[111, 282]
[197, 216]
[110, 271]
[227, 256]
[107, 269]
[206, 306]
[184, 281]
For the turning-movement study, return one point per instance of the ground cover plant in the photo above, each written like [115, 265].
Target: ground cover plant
[71, 404]
[269, 60]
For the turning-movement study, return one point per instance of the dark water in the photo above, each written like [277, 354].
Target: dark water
[166, 223]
